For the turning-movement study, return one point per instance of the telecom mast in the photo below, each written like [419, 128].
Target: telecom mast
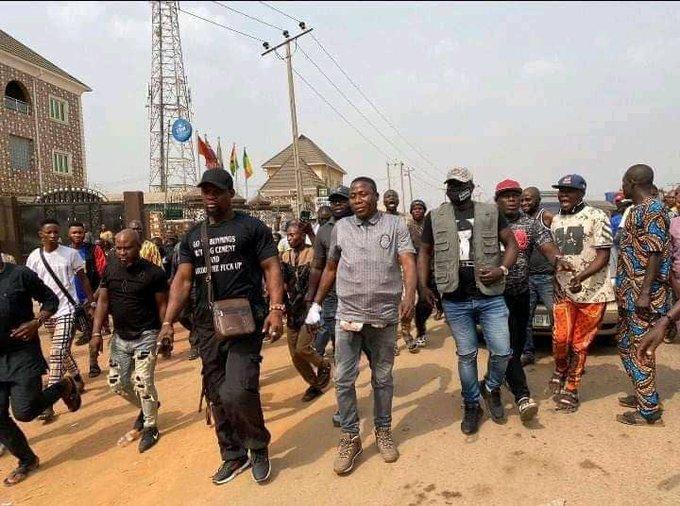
[172, 165]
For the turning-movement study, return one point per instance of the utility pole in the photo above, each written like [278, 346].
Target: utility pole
[389, 181]
[300, 197]
[403, 193]
[410, 186]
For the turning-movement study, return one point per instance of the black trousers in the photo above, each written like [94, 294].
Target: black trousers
[28, 400]
[518, 305]
[423, 312]
[231, 379]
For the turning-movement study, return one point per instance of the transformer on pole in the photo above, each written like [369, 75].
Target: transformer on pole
[172, 164]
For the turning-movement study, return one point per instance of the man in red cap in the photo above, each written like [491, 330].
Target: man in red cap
[530, 236]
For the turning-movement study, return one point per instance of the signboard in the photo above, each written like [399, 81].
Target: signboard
[181, 130]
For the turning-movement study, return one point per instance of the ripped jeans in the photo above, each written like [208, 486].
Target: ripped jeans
[138, 356]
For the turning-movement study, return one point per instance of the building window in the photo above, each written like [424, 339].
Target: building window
[20, 153]
[61, 163]
[58, 109]
[16, 97]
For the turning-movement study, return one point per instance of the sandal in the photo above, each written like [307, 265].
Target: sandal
[21, 473]
[567, 401]
[129, 437]
[635, 418]
[556, 383]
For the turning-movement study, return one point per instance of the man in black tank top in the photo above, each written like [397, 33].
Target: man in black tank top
[540, 271]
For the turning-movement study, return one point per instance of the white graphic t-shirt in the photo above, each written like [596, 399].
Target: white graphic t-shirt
[579, 236]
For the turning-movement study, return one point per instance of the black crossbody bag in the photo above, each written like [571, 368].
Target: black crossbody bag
[83, 321]
[231, 317]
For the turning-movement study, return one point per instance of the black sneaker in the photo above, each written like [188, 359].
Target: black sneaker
[230, 469]
[472, 417]
[47, 416]
[71, 394]
[95, 371]
[310, 394]
[493, 402]
[262, 468]
[139, 422]
[193, 353]
[149, 438]
[324, 375]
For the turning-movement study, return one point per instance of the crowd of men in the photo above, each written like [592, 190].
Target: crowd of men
[356, 281]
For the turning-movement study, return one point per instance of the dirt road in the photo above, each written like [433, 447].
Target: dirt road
[582, 458]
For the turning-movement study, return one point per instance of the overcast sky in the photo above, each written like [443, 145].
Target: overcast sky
[528, 91]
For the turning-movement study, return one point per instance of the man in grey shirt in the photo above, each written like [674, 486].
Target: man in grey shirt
[366, 253]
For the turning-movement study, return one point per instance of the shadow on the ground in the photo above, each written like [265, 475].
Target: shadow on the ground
[105, 439]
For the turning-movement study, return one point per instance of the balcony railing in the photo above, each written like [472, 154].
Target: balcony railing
[16, 105]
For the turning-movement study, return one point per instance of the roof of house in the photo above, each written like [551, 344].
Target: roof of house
[283, 180]
[309, 152]
[12, 46]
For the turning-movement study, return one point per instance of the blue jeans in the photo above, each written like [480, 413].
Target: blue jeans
[378, 345]
[327, 331]
[492, 314]
[540, 288]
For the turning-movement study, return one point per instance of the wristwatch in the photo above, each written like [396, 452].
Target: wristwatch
[504, 269]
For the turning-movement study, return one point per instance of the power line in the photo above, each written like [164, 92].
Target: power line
[349, 101]
[342, 116]
[280, 12]
[248, 16]
[372, 104]
[221, 25]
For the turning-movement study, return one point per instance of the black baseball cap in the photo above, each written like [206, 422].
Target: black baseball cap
[340, 191]
[218, 177]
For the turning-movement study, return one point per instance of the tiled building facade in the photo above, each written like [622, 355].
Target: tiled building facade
[41, 124]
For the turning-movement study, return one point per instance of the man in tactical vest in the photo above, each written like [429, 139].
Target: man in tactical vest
[469, 269]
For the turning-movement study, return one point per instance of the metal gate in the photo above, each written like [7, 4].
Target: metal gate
[68, 206]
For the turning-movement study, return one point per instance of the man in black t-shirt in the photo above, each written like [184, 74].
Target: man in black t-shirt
[135, 292]
[22, 363]
[241, 251]
[464, 239]
[340, 208]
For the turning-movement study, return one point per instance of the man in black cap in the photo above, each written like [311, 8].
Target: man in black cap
[340, 208]
[241, 251]
[339, 200]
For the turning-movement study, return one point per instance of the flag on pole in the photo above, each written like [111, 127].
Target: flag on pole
[206, 151]
[233, 161]
[247, 166]
[219, 153]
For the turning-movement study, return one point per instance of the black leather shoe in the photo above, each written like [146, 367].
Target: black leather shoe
[493, 402]
[472, 418]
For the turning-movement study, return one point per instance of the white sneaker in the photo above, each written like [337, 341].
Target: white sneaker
[421, 341]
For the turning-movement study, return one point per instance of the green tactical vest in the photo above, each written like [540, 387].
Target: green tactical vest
[485, 246]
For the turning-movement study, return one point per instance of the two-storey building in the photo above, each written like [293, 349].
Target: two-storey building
[41, 123]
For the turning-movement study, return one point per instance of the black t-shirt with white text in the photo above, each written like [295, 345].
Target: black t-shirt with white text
[237, 246]
[465, 221]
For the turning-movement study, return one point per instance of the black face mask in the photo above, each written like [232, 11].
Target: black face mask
[458, 196]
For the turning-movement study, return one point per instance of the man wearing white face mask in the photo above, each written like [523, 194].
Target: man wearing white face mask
[464, 238]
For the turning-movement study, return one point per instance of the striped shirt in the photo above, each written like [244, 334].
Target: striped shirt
[369, 281]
